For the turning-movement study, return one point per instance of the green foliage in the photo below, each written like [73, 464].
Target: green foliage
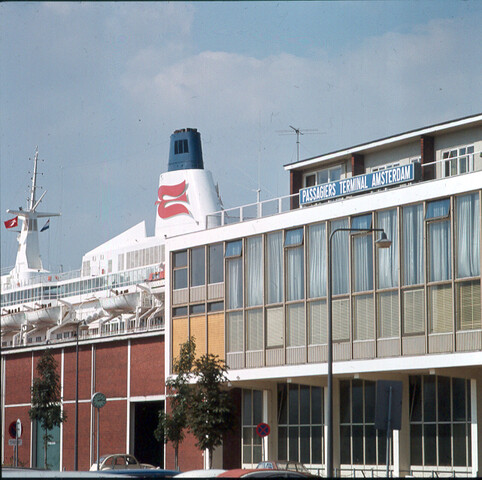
[198, 399]
[171, 426]
[46, 408]
[211, 409]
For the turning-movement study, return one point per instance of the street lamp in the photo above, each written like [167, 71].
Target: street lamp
[81, 323]
[382, 242]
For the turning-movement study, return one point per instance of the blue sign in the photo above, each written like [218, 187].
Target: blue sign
[360, 183]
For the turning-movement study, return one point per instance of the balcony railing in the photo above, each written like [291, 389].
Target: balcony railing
[449, 167]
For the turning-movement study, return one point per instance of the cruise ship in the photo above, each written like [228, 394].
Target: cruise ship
[367, 274]
[120, 286]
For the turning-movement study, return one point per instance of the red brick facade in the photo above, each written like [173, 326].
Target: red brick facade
[103, 367]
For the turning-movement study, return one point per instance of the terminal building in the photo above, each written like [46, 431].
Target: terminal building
[251, 285]
[255, 291]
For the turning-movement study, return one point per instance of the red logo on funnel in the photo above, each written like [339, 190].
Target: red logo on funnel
[170, 207]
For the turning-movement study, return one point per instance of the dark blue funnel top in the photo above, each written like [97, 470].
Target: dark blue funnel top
[185, 152]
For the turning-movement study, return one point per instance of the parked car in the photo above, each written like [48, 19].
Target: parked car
[283, 465]
[119, 461]
[263, 473]
[213, 472]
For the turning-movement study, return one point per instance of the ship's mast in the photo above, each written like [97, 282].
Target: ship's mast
[28, 261]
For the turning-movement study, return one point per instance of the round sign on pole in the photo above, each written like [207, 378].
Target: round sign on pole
[12, 429]
[263, 430]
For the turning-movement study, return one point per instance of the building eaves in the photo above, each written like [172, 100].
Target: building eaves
[386, 141]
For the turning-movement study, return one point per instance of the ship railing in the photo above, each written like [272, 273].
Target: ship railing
[442, 168]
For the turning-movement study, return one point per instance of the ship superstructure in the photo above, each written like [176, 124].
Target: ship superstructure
[120, 286]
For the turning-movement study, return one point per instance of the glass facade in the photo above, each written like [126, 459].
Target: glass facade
[440, 419]
[300, 423]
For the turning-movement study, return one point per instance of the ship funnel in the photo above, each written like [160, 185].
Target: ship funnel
[187, 197]
[185, 151]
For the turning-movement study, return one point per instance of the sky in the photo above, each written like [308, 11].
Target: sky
[100, 87]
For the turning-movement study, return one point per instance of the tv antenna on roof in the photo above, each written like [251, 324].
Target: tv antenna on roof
[298, 132]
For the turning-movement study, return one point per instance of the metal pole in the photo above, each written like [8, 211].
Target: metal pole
[98, 428]
[76, 438]
[389, 426]
[329, 407]
[16, 447]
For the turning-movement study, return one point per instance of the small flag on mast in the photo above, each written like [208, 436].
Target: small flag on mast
[11, 223]
[46, 226]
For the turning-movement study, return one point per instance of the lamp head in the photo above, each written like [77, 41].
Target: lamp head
[383, 241]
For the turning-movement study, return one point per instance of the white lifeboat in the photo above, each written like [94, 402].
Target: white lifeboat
[12, 321]
[122, 303]
[48, 315]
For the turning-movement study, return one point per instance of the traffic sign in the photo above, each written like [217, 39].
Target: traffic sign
[12, 429]
[263, 430]
[12, 442]
[18, 426]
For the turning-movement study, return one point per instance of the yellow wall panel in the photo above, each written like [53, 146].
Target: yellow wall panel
[198, 331]
[179, 335]
[216, 335]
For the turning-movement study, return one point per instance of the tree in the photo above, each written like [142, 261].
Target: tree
[172, 425]
[46, 408]
[211, 410]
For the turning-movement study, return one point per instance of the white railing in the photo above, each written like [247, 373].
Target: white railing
[275, 206]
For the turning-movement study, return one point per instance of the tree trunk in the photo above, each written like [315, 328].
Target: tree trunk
[210, 458]
[176, 464]
[45, 449]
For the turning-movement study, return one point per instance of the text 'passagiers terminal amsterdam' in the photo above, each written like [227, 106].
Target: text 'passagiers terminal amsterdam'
[360, 183]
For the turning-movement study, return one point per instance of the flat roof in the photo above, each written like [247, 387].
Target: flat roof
[401, 137]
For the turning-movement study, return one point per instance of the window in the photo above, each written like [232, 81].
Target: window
[317, 260]
[216, 270]
[440, 421]
[458, 160]
[300, 430]
[360, 442]
[468, 235]
[215, 307]
[296, 325]
[234, 272]
[252, 416]
[318, 315]
[254, 329]
[274, 327]
[362, 255]
[274, 284]
[413, 299]
[197, 309]
[326, 175]
[340, 261]
[180, 146]
[295, 284]
[179, 263]
[412, 245]
[235, 332]
[198, 266]
[385, 167]
[254, 271]
[387, 302]
[439, 265]
[179, 312]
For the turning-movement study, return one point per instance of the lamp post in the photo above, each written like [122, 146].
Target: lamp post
[76, 438]
[382, 242]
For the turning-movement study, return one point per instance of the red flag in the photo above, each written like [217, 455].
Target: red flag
[11, 223]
